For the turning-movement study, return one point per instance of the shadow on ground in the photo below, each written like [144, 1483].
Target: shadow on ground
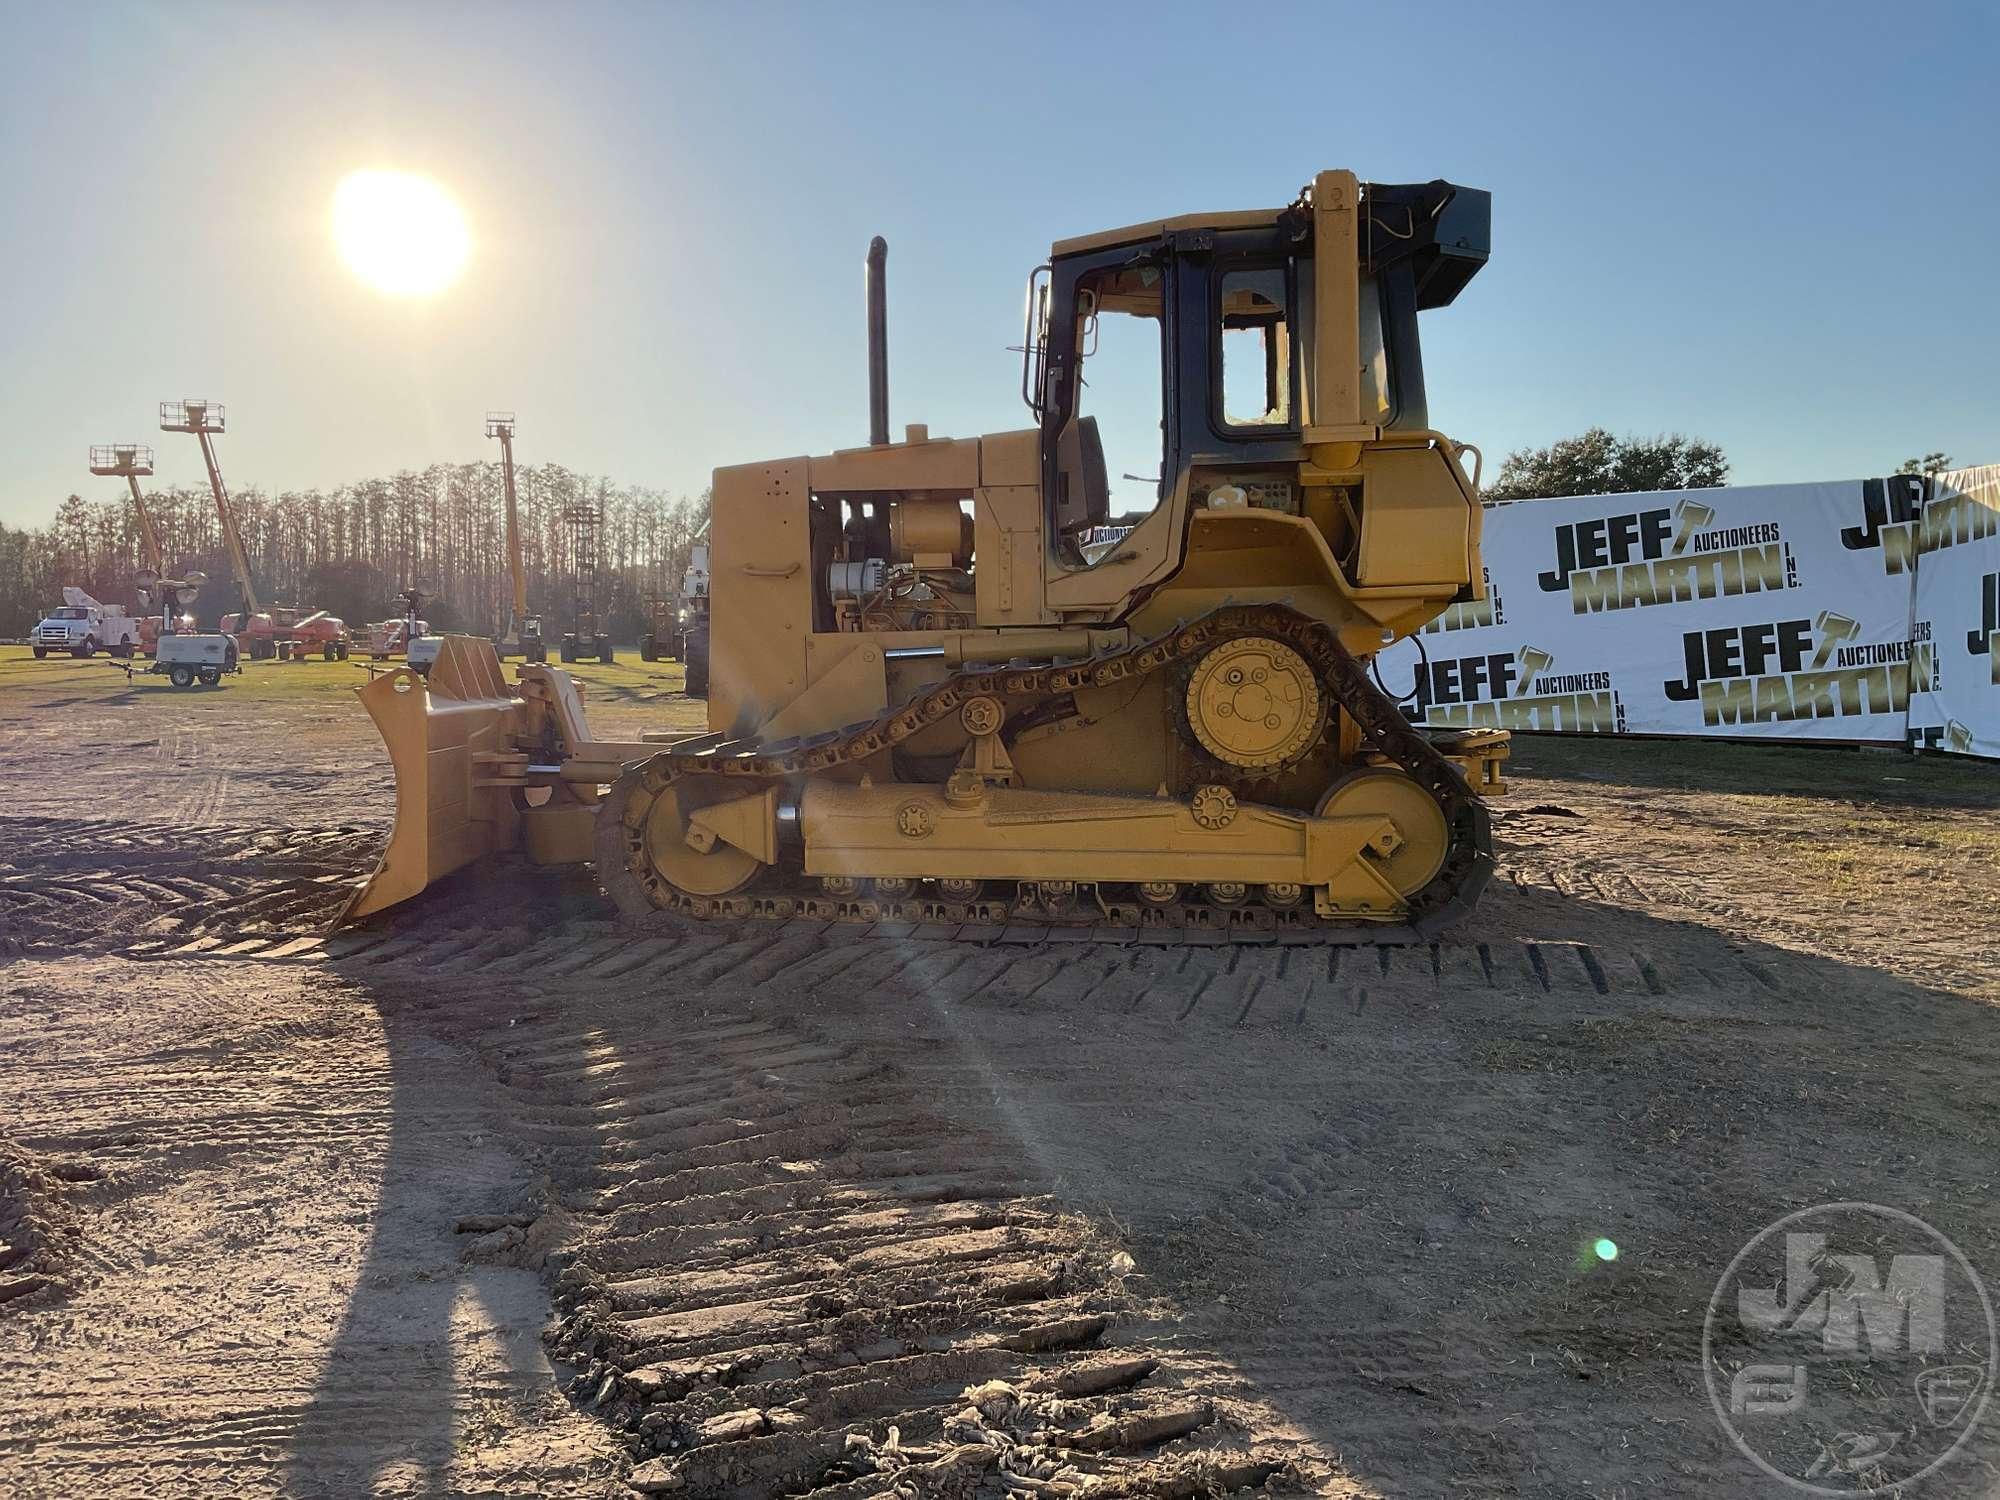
[1368, 1181]
[1838, 772]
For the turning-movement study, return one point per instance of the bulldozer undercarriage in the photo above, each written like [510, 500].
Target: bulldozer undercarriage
[1399, 842]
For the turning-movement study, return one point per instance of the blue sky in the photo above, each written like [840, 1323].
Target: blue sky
[1773, 226]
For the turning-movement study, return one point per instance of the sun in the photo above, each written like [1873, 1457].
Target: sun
[400, 233]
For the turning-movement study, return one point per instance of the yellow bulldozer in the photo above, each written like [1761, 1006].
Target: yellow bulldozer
[975, 681]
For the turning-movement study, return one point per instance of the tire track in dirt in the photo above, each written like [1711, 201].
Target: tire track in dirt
[783, 1273]
[186, 755]
[262, 1294]
[90, 883]
[816, 1220]
[38, 1238]
[779, 1256]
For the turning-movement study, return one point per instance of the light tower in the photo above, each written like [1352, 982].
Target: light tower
[524, 632]
[133, 462]
[587, 636]
[205, 419]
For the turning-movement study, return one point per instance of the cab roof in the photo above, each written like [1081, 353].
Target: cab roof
[1132, 234]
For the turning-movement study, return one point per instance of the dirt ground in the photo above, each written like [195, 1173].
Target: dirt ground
[501, 1196]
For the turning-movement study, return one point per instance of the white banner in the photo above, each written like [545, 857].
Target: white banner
[1956, 550]
[1774, 611]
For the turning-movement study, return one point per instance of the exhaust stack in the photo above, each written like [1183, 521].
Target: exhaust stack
[878, 343]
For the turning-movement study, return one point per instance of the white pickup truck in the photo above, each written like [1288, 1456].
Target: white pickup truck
[83, 627]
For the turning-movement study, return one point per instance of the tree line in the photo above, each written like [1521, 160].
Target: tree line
[1596, 462]
[443, 530]
[350, 550]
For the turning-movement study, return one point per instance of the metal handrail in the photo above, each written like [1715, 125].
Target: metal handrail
[193, 415]
[121, 458]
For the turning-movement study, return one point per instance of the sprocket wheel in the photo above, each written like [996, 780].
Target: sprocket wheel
[1255, 703]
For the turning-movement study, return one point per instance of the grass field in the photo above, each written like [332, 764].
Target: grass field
[625, 683]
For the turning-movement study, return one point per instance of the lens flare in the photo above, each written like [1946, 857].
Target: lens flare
[400, 233]
[1606, 1249]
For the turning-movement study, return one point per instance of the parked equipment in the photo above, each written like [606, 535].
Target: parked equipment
[83, 627]
[524, 631]
[318, 633]
[133, 462]
[931, 705]
[661, 640]
[694, 628]
[587, 637]
[287, 630]
[205, 419]
[420, 647]
[186, 657]
[385, 638]
[290, 633]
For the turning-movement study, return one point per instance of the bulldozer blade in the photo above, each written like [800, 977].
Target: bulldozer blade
[447, 740]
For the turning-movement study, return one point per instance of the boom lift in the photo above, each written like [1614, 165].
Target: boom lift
[932, 704]
[205, 419]
[524, 631]
[260, 631]
[133, 462]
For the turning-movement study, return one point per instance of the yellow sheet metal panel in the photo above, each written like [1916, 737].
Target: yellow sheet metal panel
[1144, 556]
[848, 685]
[1417, 520]
[1007, 540]
[1011, 457]
[939, 464]
[760, 592]
[1111, 743]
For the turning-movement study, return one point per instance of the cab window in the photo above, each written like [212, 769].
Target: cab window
[1259, 373]
[1120, 343]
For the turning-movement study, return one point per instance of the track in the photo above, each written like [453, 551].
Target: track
[770, 1253]
[96, 882]
[1015, 695]
[794, 1261]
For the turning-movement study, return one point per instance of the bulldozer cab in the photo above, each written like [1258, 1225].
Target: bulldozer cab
[1264, 361]
[1235, 342]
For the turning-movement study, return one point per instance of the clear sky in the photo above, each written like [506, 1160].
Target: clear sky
[1770, 225]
